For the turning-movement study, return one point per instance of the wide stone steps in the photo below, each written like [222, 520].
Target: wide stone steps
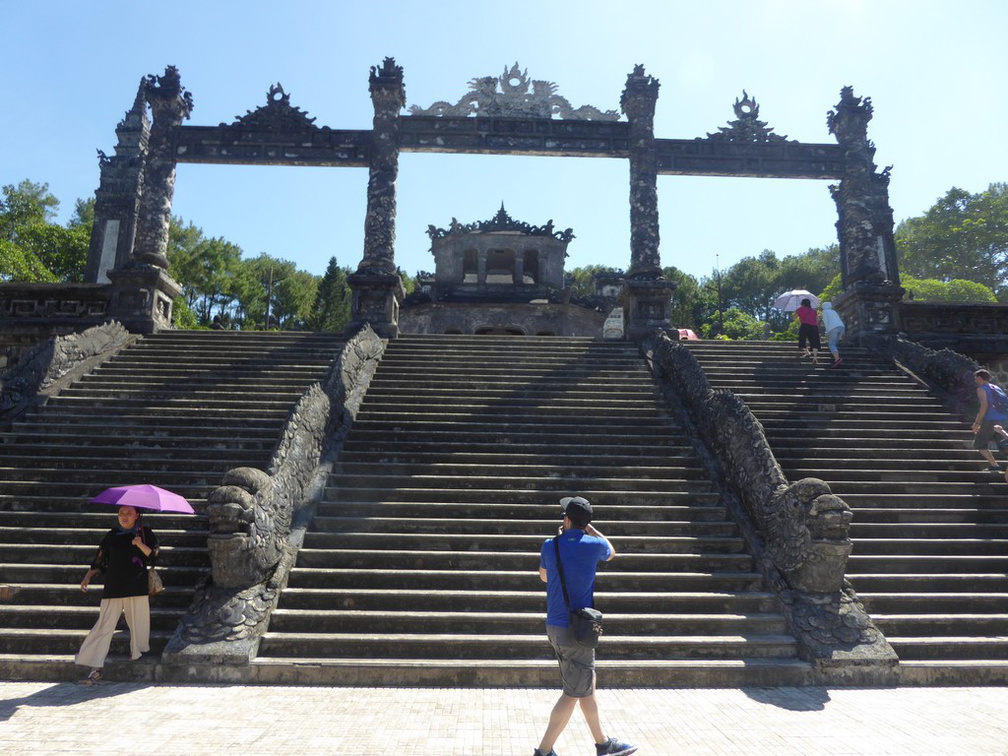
[459, 645]
[489, 622]
[488, 579]
[664, 602]
[331, 512]
[930, 527]
[545, 495]
[422, 561]
[515, 528]
[175, 409]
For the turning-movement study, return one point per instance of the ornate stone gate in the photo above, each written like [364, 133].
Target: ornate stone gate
[508, 114]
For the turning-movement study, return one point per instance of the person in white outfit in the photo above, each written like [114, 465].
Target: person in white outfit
[834, 331]
[123, 557]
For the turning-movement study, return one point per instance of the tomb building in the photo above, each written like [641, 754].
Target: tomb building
[500, 276]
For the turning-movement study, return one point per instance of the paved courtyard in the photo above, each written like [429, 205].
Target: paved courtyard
[129, 718]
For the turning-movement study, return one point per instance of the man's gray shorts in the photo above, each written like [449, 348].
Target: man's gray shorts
[577, 663]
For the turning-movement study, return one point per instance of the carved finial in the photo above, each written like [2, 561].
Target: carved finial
[849, 122]
[747, 127]
[387, 83]
[167, 95]
[747, 107]
[639, 87]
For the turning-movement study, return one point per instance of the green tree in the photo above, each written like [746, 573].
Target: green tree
[962, 236]
[737, 325]
[293, 297]
[23, 205]
[36, 249]
[83, 214]
[18, 264]
[331, 309]
[956, 290]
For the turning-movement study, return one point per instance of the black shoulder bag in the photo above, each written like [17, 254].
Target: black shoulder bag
[586, 623]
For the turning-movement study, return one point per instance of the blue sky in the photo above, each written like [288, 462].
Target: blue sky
[935, 72]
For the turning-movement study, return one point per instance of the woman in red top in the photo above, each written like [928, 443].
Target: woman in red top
[808, 331]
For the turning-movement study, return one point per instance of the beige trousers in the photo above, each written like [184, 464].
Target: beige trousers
[95, 647]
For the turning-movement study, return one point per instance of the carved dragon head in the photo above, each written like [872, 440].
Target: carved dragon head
[827, 521]
[248, 528]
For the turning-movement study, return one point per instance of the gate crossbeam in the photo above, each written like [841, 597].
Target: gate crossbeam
[243, 146]
[707, 157]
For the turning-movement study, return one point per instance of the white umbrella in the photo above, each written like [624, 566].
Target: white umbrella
[790, 301]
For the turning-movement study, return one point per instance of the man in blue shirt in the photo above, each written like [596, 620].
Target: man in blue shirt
[582, 547]
[989, 419]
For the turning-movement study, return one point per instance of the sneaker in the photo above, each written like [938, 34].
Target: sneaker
[613, 747]
[537, 752]
[994, 468]
[837, 363]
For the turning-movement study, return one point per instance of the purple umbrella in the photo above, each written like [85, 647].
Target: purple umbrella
[144, 496]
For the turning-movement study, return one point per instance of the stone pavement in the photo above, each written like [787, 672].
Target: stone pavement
[129, 718]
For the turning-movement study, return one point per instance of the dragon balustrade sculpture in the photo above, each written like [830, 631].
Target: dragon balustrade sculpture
[802, 526]
[52, 363]
[948, 372]
[257, 518]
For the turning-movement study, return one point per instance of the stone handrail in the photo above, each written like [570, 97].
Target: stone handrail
[257, 518]
[948, 373]
[801, 530]
[45, 368]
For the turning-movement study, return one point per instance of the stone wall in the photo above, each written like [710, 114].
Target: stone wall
[521, 318]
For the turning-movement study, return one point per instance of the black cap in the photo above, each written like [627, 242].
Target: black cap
[577, 508]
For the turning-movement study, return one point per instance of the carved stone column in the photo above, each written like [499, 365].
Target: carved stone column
[481, 268]
[647, 301]
[377, 287]
[868, 268]
[170, 105]
[117, 200]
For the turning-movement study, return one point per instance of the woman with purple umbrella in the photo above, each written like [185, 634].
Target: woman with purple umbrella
[123, 556]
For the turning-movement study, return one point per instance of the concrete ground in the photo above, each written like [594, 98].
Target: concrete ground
[129, 718]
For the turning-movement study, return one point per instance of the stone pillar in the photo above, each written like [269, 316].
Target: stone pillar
[647, 301]
[869, 272]
[117, 200]
[481, 270]
[377, 287]
[170, 105]
[519, 267]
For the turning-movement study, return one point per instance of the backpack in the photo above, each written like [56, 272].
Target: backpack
[998, 399]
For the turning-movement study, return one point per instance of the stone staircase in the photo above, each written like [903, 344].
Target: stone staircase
[176, 409]
[930, 526]
[421, 566]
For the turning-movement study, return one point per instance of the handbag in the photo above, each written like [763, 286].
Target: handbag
[154, 583]
[585, 623]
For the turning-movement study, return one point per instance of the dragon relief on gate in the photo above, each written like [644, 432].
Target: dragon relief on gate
[519, 97]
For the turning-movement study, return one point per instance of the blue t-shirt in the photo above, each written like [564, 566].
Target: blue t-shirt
[992, 414]
[581, 554]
